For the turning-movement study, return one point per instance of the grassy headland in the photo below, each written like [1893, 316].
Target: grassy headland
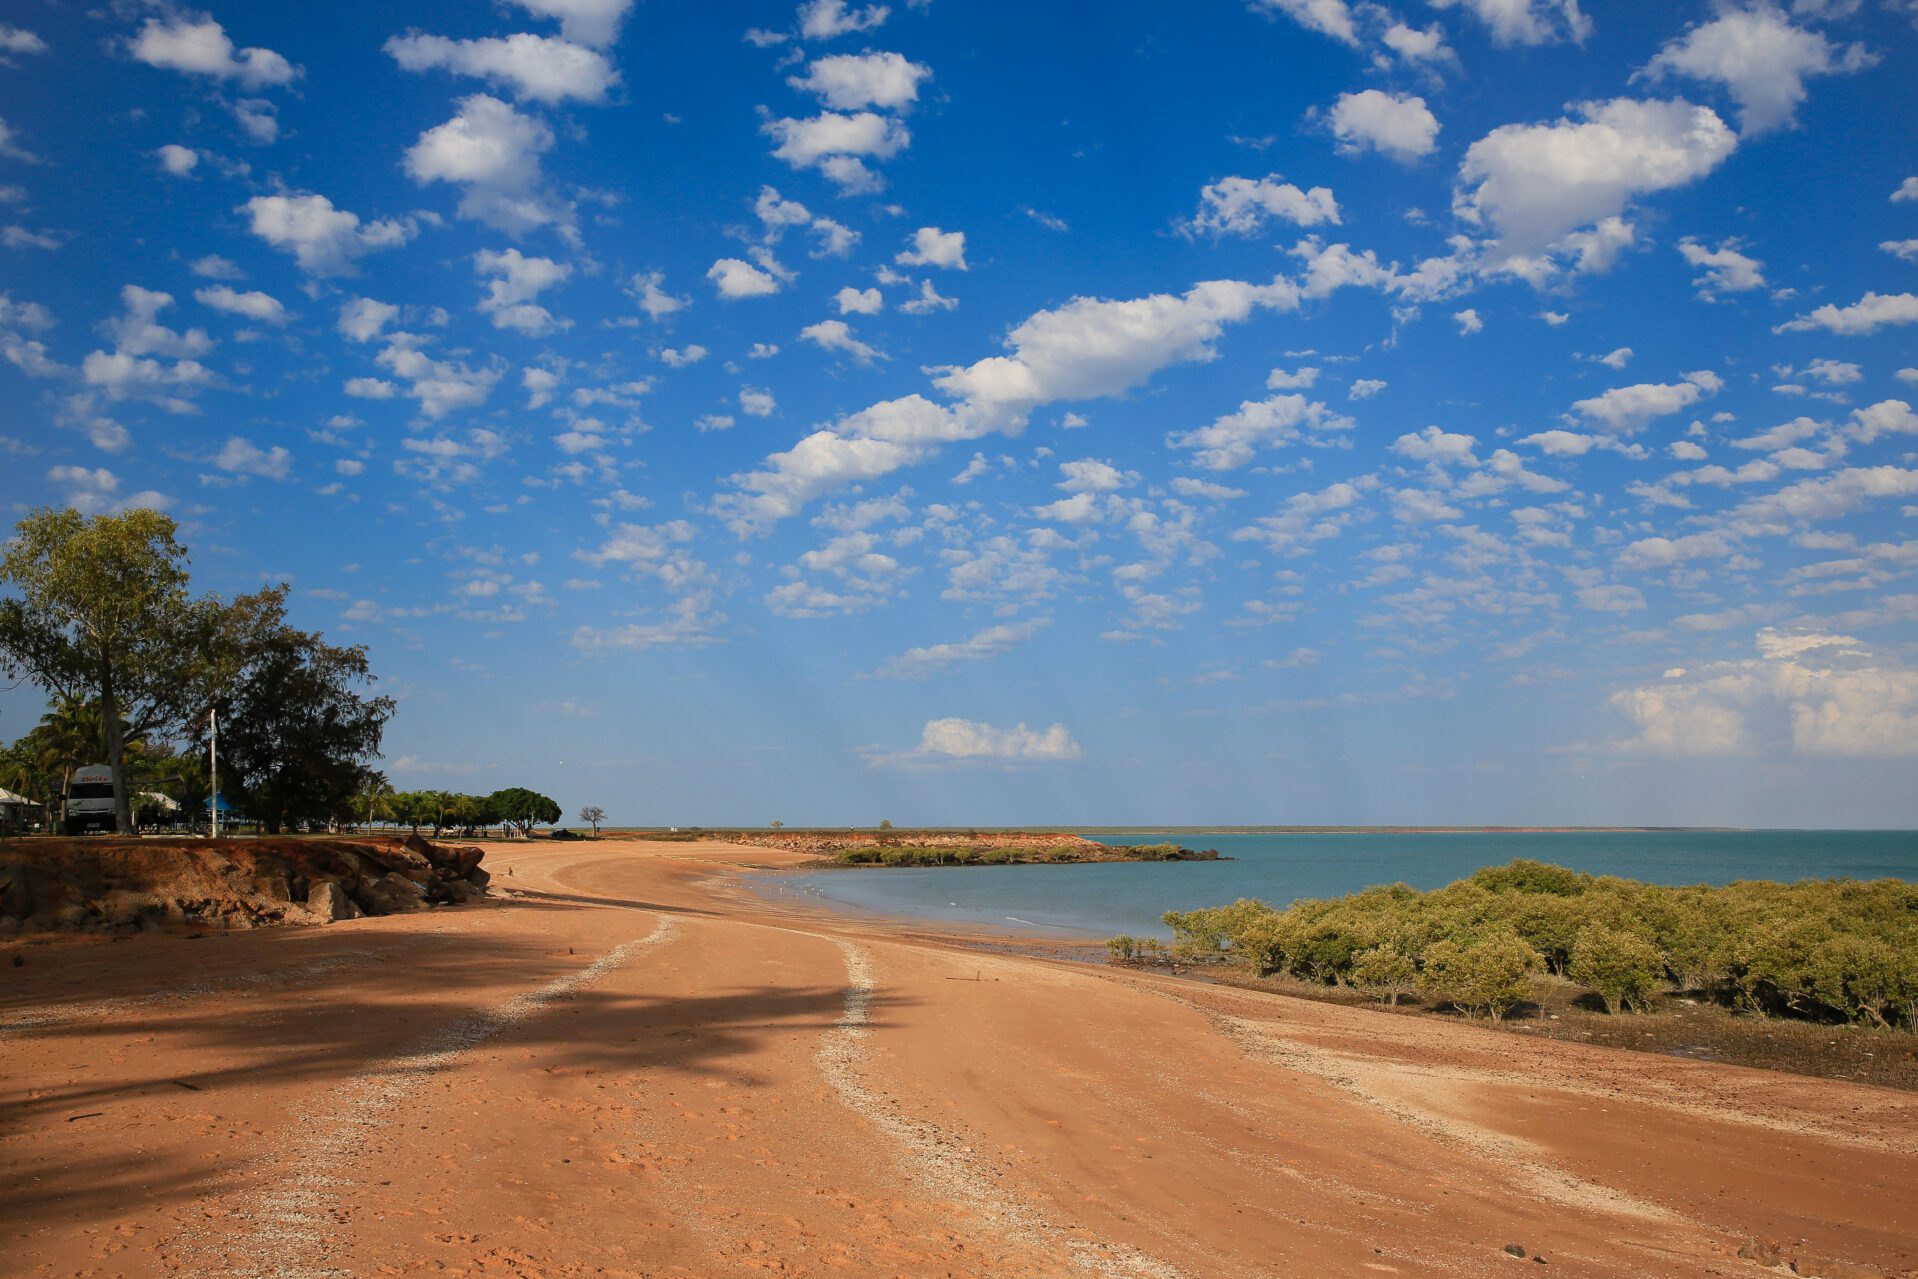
[886, 846]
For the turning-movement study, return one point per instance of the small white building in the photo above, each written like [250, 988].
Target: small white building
[13, 809]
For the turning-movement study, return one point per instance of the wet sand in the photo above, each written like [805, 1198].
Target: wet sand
[637, 1066]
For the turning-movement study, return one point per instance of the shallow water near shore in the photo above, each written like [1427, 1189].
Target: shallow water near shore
[1101, 899]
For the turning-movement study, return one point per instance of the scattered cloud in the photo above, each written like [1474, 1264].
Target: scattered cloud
[1533, 185]
[934, 659]
[324, 240]
[1523, 22]
[177, 160]
[1761, 59]
[1724, 269]
[1393, 124]
[964, 741]
[1243, 206]
[838, 144]
[853, 82]
[1807, 694]
[933, 247]
[492, 152]
[253, 305]
[179, 42]
[837, 335]
[737, 279]
[534, 68]
[1870, 313]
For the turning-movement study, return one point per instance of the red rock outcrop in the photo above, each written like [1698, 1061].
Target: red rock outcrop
[132, 885]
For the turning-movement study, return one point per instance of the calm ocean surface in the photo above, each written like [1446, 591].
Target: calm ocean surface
[1103, 899]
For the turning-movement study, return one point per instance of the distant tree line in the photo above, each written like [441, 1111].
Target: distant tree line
[515, 807]
[1835, 950]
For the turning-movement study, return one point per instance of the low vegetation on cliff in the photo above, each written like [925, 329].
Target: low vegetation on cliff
[1832, 950]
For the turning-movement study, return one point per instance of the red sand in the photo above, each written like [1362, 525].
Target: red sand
[633, 1068]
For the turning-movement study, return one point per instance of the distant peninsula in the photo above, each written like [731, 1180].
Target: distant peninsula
[886, 846]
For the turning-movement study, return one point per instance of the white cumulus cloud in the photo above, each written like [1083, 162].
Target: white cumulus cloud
[1627, 409]
[934, 247]
[1723, 269]
[1870, 313]
[253, 305]
[1526, 21]
[179, 42]
[539, 68]
[954, 740]
[1819, 694]
[1761, 59]
[838, 144]
[240, 456]
[323, 239]
[177, 160]
[1233, 439]
[513, 280]
[1534, 184]
[737, 279]
[852, 82]
[494, 153]
[594, 22]
[1242, 206]
[837, 335]
[1394, 124]
[829, 19]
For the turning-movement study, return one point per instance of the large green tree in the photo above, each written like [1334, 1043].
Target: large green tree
[523, 808]
[298, 730]
[102, 614]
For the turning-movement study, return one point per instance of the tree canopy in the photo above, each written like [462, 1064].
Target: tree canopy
[103, 614]
[297, 734]
[523, 808]
[102, 618]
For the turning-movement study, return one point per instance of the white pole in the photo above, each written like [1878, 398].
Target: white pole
[213, 769]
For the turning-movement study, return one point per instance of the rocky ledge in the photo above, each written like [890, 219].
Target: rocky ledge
[125, 886]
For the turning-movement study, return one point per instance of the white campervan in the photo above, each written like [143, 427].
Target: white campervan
[90, 800]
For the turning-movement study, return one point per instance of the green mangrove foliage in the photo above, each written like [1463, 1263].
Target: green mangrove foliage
[1126, 949]
[1824, 949]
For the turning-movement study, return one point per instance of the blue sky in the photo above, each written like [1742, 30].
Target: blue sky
[1302, 411]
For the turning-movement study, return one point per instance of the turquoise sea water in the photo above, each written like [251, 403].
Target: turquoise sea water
[1129, 897]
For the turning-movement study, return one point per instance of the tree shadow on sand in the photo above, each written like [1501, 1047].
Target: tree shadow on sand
[318, 1009]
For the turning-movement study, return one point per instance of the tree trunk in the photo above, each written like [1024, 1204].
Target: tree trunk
[116, 758]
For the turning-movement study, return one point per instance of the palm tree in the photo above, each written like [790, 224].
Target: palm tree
[465, 810]
[22, 773]
[439, 806]
[379, 797]
[408, 806]
[72, 733]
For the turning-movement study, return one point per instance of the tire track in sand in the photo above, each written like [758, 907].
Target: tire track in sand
[944, 1164]
[288, 1230]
